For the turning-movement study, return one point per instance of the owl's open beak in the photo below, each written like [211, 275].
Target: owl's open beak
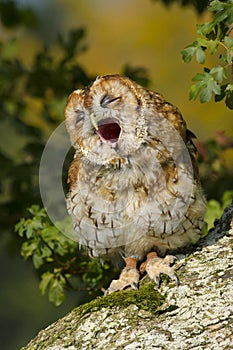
[109, 131]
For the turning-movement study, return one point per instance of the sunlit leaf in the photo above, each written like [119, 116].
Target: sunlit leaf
[37, 260]
[219, 73]
[56, 291]
[45, 281]
[228, 42]
[188, 53]
[200, 55]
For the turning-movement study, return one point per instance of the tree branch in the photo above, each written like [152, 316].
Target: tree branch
[198, 314]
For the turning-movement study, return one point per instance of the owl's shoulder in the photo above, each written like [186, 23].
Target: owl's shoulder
[168, 111]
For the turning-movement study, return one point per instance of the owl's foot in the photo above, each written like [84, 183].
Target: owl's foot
[129, 277]
[154, 266]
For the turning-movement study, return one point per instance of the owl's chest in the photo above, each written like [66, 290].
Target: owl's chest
[112, 206]
[107, 205]
[115, 192]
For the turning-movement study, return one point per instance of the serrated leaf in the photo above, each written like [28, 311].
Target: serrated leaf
[206, 28]
[207, 85]
[219, 73]
[49, 233]
[200, 55]
[211, 87]
[45, 280]
[229, 57]
[188, 53]
[46, 252]
[194, 91]
[20, 227]
[215, 5]
[227, 198]
[224, 12]
[228, 42]
[213, 45]
[216, 88]
[37, 260]
[36, 210]
[29, 231]
[223, 58]
[205, 95]
[200, 77]
[201, 42]
[56, 292]
[28, 249]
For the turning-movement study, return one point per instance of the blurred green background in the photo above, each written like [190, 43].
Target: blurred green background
[33, 90]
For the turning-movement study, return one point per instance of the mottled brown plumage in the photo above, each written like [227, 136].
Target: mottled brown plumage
[134, 185]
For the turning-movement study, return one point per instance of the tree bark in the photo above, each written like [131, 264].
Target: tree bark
[198, 314]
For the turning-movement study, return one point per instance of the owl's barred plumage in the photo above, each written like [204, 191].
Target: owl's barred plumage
[134, 184]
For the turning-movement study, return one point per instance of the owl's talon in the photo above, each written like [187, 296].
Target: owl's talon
[129, 277]
[156, 266]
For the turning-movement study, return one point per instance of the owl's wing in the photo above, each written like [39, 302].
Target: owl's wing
[73, 172]
[169, 112]
[173, 115]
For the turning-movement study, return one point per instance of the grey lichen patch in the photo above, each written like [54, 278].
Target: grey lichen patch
[198, 314]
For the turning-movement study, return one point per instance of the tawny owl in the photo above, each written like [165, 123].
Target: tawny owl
[134, 184]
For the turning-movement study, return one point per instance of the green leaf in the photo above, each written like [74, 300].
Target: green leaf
[194, 91]
[205, 95]
[46, 252]
[35, 210]
[229, 57]
[37, 260]
[29, 231]
[28, 249]
[219, 73]
[213, 45]
[56, 292]
[215, 5]
[188, 53]
[205, 29]
[200, 77]
[20, 227]
[228, 42]
[197, 48]
[50, 233]
[212, 88]
[45, 281]
[206, 85]
[200, 55]
[202, 42]
[223, 11]
[223, 57]
[227, 198]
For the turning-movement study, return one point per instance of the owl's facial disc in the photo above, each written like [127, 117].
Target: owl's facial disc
[109, 131]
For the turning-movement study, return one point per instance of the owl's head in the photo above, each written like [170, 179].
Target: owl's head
[106, 119]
